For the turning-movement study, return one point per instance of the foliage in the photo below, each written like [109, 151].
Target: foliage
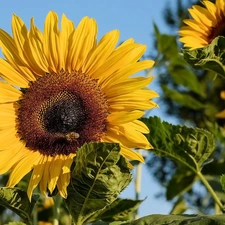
[191, 82]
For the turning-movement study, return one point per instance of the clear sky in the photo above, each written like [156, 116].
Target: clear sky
[133, 18]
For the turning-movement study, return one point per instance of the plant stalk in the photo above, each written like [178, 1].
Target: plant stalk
[57, 203]
[211, 191]
[138, 184]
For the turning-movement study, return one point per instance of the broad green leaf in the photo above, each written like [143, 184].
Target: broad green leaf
[181, 75]
[182, 99]
[158, 219]
[210, 57]
[188, 146]
[99, 175]
[119, 210]
[222, 181]
[109, 223]
[17, 201]
[179, 206]
[180, 182]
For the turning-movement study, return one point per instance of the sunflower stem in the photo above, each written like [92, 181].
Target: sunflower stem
[211, 191]
[35, 215]
[56, 209]
[138, 184]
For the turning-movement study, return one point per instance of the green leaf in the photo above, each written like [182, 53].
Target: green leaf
[158, 219]
[210, 57]
[166, 44]
[99, 175]
[109, 223]
[182, 99]
[179, 206]
[119, 210]
[17, 201]
[180, 182]
[184, 76]
[188, 146]
[222, 181]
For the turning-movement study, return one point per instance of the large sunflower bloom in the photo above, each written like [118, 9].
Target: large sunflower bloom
[208, 23]
[61, 89]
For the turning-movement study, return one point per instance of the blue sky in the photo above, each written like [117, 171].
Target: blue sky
[132, 18]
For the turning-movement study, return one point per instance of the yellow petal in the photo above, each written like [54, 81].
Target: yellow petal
[131, 155]
[62, 184]
[9, 138]
[211, 8]
[7, 115]
[8, 93]
[36, 49]
[99, 55]
[126, 72]
[205, 15]
[9, 74]
[23, 167]
[36, 175]
[124, 117]
[51, 41]
[128, 41]
[67, 27]
[127, 86]
[81, 42]
[119, 58]
[55, 171]
[45, 176]
[10, 157]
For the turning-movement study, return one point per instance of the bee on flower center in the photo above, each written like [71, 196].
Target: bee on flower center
[72, 136]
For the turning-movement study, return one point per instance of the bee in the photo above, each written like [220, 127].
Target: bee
[72, 136]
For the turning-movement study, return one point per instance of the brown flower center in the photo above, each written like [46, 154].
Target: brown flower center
[61, 112]
[219, 30]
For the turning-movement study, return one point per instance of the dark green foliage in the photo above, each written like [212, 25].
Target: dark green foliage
[99, 175]
[191, 96]
[119, 210]
[17, 201]
[179, 220]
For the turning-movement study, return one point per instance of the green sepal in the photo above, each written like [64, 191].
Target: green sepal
[210, 57]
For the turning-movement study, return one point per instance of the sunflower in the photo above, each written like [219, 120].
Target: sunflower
[208, 23]
[62, 88]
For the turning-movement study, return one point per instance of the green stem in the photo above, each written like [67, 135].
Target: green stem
[57, 203]
[211, 191]
[35, 215]
[138, 184]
